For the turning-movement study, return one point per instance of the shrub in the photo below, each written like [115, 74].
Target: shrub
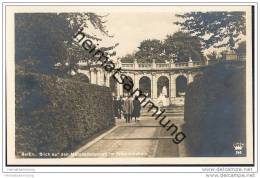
[215, 111]
[80, 77]
[57, 115]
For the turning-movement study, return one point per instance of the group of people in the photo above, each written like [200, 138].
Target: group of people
[127, 107]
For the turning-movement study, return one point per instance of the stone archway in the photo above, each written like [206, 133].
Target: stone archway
[181, 85]
[145, 85]
[162, 82]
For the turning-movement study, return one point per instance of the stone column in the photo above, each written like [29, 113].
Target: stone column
[107, 79]
[190, 78]
[119, 89]
[103, 83]
[99, 77]
[154, 86]
[172, 87]
[93, 77]
[136, 81]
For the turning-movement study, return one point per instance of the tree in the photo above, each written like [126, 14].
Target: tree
[44, 40]
[129, 58]
[182, 46]
[80, 77]
[178, 46]
[218, 29]
[241, 49]
[148, 50]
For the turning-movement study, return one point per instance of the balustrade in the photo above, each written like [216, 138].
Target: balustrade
[162, 65]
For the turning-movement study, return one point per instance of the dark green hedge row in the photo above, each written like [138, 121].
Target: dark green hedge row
[57, 115]
[215, 111]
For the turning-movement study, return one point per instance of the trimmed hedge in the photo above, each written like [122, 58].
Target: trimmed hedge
[55, 115]
[215, 111]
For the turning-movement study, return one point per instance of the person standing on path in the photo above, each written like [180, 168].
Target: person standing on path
[128, 108]
[137, 108]
[120, 106]
[115, 107]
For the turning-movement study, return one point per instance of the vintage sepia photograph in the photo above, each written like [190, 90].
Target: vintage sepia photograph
[129, 85]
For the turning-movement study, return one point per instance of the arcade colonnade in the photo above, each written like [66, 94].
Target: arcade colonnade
[149, 82]
[152, 83]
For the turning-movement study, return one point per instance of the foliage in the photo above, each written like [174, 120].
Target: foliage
[80, 77]
[241, 49]
[215, 111]
[183, 46]
[45, 39]
[58, 115]
[178, 46]
[129, 58]
[218, 29]
[149, 50]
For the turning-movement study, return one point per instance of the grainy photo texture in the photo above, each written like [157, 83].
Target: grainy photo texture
[144, 83]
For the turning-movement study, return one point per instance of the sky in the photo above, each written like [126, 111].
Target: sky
[133, 28]
[130, 28]
[131, 25]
